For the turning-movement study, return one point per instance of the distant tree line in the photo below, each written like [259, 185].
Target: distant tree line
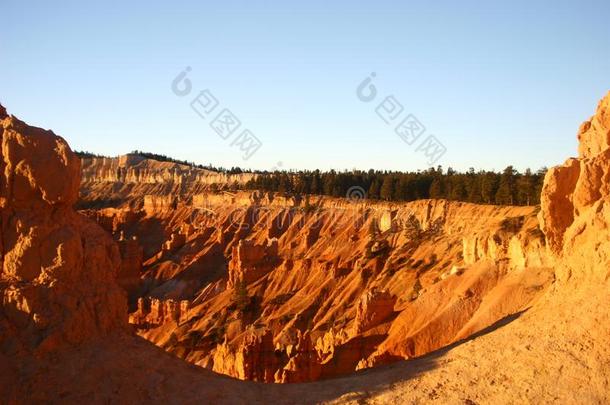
[85, 154]
[508, 187]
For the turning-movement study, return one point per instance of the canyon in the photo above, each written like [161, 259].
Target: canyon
[291, 288]
[168, 277]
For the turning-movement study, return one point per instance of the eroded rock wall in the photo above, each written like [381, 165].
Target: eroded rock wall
[576, 196]
[335, 284]
[58, 268]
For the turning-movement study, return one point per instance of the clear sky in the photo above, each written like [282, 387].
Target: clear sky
[497, 84]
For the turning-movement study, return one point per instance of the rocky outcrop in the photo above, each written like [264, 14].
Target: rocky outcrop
[304, 362]
[578, 191]
[557, 202]
[252, 357]
[113, 220]
[153, 312]
[518, 243]
[176, 241]
[250, 261]
[133, 168]
[153, 204]
[132, 256]
[387, 220]
[374, 307]
[58, 268]
[594, 134]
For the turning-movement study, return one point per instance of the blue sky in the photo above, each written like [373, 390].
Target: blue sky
[497, 84]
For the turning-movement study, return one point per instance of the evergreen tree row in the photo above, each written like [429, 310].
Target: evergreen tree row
[508, 187]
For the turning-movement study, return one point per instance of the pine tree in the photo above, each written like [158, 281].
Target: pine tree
[507, 187]
[436, 188]
[526, 188]
[506, 190]
[474, 187]
[315, 183]
[387, 188]
[458, 189]
[539, 181]
[374, 189]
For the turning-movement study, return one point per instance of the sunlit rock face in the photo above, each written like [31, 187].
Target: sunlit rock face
[58, 268]
[594, 134]
[575, 195]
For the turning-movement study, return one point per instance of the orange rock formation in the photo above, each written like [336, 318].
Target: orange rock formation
[319, 287]
[287, 289]
[58, 268]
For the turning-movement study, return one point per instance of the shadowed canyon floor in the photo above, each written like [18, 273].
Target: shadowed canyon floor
[382, 303]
